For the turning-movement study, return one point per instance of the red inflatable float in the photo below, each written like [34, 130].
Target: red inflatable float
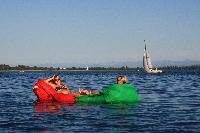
[45, 93]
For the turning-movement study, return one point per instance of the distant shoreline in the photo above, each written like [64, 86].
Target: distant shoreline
[141, 71]
[60, 70]
[22, 68]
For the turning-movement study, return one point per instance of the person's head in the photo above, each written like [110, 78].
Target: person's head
[56, 79]
[122, 80]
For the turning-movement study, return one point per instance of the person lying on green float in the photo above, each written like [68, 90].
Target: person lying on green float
[121, 92]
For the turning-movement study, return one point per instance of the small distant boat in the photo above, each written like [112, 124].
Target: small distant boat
[21, 71]
[148, 67]
[87, 68]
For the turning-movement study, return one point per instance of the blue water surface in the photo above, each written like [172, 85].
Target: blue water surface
[170, 103]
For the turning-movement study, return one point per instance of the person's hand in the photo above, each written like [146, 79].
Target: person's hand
[81, 91]
[52, 77]
[95, 92]
[65, 86]
[35, 87]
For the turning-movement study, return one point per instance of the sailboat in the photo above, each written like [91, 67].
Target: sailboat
[148, 67]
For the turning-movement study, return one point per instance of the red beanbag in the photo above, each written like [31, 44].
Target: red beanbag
[64, 98]
[45, 92]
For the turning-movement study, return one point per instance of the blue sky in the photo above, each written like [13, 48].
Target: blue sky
[97, 31]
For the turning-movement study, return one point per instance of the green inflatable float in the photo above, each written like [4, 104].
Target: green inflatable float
[117, 93]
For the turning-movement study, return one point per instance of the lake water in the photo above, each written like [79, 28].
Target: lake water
[170, 103]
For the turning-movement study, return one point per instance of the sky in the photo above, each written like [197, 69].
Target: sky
[98, 31]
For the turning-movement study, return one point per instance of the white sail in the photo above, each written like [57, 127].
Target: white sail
[148, 60]
[145, 64]
[148, 67]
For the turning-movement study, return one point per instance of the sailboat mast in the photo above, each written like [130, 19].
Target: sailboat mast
[145, 52]
[145, 46]
[145, 62]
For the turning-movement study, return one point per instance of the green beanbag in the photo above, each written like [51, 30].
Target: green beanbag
[117, 93]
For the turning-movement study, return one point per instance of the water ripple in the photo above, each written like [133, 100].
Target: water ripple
[170, 103]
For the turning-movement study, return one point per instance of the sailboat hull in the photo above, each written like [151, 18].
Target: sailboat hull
[154, 71]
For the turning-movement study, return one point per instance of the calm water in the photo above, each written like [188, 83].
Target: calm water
[170, 103]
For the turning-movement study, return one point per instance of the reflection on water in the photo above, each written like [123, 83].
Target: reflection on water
[47, 107]
[56, 107]
[170, 103]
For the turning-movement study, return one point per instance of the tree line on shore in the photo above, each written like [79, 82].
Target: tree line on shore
[4, 67]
